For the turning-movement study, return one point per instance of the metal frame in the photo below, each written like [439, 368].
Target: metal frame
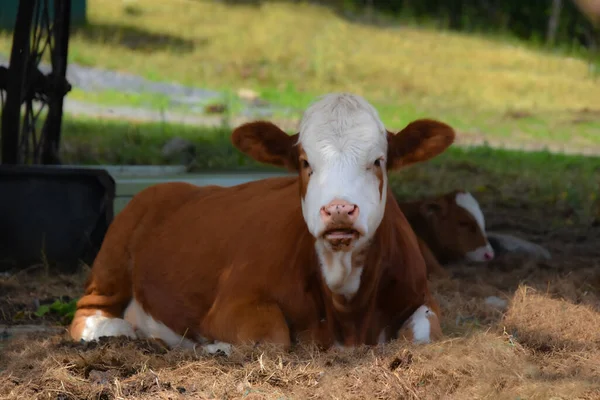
[37, 35]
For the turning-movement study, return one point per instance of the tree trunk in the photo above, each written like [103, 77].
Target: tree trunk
[553, 22]
[369, 11]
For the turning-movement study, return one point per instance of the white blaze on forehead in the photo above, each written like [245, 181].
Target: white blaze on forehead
[340, 115]
[468, 202]
[343, 129]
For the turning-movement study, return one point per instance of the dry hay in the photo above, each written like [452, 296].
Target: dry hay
[545, 344]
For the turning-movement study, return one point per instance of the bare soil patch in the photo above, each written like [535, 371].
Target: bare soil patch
[545, 343]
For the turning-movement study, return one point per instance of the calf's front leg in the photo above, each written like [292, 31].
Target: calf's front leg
[247, 322]
[423, 326]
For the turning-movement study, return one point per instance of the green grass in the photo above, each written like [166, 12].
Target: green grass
[567, 184]
[116, 98]
[292, 52]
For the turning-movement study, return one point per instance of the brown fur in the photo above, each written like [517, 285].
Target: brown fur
[238, 264]
[394, 283]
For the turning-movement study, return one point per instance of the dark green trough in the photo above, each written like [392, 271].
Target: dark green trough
[60, 214]
[8, 13]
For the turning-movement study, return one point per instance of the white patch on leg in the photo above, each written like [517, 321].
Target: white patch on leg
[97, 326]
[148, 327]
[216, 347]
[420, 325]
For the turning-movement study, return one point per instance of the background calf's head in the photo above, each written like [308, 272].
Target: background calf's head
[453, 226]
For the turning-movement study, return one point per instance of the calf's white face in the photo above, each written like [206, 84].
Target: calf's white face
[454, 226]
[343, 150]
[341, 154]
[483, 251]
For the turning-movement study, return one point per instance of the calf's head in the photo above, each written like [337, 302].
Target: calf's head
[456, 225]
[342, 154]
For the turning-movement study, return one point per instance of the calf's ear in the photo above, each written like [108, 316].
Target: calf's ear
[265, 142]
[418, 141]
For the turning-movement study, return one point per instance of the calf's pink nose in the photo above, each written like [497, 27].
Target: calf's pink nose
[339, 212]
[488, 255]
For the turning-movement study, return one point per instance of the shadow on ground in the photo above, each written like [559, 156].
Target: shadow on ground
[135, 38]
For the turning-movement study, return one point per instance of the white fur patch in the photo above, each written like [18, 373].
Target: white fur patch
[342, 136]
[382, 338]
[468, 202]
[146, 326]
[352, 284]
[97, 326]
[150, 328]
[339, 276]
[478, 255]
[420, 325]
[216, 347]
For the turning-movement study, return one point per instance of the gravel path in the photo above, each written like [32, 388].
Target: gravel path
[91, 79]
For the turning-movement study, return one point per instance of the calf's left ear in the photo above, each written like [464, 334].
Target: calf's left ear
[265, 142]
[418, 141]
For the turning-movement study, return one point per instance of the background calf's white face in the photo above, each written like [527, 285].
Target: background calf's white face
[469, 203]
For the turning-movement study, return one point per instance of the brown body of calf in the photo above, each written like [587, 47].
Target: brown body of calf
[238, 264]
[190, 269]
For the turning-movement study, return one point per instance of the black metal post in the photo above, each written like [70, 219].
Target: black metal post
[11, 114]
[53, 123]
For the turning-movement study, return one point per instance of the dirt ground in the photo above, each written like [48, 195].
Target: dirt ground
[544, 344]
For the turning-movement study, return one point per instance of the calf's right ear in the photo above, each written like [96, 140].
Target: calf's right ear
[419, 141]
[265, 142]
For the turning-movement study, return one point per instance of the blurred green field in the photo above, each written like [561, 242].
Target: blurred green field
[291, 52]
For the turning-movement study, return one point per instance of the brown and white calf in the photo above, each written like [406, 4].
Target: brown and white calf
[326, 255]
[450, 228]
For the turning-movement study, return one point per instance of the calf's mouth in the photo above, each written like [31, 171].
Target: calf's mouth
[339, 238]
